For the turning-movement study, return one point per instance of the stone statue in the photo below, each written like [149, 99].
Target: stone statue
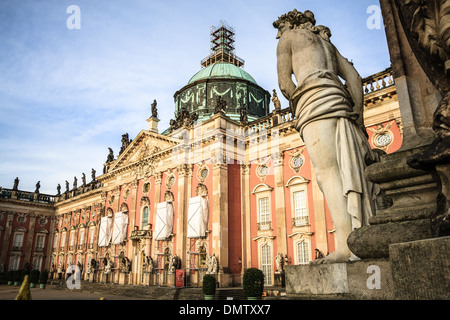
[38, 185]
[75, 182]
[211, 264]
[93, 174]
[169, 198]
[108, 266]
[318, 254]
[329, 120]
[279, 262]
[16, 184]
[67, 186]
[243, 115]
[93, 266]
[154, 109]
[110, 157]
[276, 101]
[58, 189]
[83, 179]
[220, 106]
[125, 142]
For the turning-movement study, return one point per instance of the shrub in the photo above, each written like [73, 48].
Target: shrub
[253, 282]
[10, 275]
[209, 285]
[17, 275]
[43, 277]
[25, 271]
[34, 276]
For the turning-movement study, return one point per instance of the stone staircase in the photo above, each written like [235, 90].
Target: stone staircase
[230, 294]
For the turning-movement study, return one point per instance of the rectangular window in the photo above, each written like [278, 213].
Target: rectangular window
[40, 242]
[145, 217]
[37, 262]
[300, 213]
[18, 239]
[14, 263]
[55, 241]
[91, 237]
[266, 264]
[63, 240]
[81, 239]
[264, 214]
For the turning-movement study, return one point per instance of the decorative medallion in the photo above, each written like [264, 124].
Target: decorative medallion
[43, 221]
[170, 180]
[21, 219]
[126, 193]
[297, 159]
[382, 136]
[146, 187]
[262, 170]
[202, 172]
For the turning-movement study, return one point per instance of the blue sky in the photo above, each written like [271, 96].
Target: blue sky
[67, 95]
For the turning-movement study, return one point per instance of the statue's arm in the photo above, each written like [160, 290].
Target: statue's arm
[354, 85]
[284, 68]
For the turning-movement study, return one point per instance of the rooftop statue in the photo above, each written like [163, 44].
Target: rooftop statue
[329, 120]
[154, 109]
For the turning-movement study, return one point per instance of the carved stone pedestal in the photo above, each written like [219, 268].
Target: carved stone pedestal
[365, 279]
[123, 278]
[420, 269]
[279, 279]
[406, 205]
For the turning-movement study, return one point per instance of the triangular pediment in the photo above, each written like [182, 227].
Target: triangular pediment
[145, 145]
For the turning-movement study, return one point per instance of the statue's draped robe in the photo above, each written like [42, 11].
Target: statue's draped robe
[322, 96]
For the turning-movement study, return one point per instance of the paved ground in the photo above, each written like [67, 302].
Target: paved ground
[50, 293]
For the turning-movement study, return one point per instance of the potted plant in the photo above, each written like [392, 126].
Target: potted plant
[43, 279]
[34, 278]
[253, 283]
[17, 275]
[209, 287]
[10, 277]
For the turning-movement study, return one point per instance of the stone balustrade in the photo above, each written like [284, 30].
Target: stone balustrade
[378, 81]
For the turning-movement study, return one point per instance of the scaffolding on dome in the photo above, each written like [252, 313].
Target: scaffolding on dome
[222, 46]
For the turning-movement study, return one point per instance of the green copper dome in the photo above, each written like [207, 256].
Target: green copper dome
[222, 71]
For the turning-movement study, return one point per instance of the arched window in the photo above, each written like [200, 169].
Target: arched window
[266, 263]
[303, 252]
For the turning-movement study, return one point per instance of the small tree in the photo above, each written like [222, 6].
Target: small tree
[10, 276]
[253, 282]
[34, 276]
[43, 277]
[17, 275]
[209, 285]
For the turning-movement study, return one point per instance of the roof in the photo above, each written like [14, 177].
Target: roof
[222, 70]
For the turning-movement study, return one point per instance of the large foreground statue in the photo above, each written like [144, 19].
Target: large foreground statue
[329, 120]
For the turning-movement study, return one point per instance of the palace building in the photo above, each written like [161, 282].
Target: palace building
[228, 186]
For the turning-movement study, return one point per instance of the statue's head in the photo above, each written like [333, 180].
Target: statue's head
[292, 20]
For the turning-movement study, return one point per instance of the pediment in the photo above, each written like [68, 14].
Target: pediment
[145, 145]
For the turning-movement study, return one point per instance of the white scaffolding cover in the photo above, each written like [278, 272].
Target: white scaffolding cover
[104, 236]
[198, 215]
[120, 227]
[161, 221]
